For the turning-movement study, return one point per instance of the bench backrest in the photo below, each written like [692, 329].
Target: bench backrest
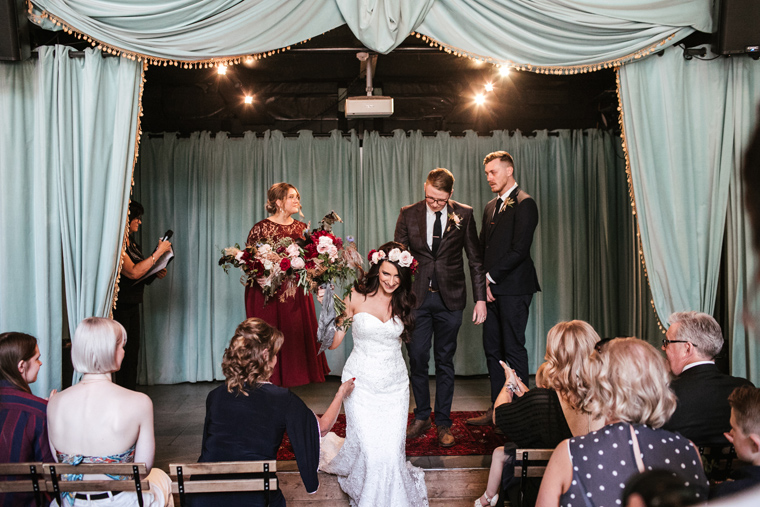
[56, 485]
[22, 478]
[530, 463]
[264, 481]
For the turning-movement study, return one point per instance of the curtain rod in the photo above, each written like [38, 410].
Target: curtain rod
[72, 54]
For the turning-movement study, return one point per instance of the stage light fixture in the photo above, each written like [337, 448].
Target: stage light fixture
[489, 87]
[248, 99]
[504, 70]
[221, 70]
[480, 99]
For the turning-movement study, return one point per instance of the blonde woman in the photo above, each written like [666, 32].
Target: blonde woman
[97, 421]
[629, 390]
[544, 416]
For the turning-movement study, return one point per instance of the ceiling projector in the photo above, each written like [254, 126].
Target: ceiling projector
[369, 107]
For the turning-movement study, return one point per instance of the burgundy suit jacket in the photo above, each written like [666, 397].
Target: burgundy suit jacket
[411, 231]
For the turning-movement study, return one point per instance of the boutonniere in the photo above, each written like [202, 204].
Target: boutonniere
[456, 220]
[509, 202]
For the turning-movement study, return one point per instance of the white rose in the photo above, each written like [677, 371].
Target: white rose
[264, 249]
[332, 251]
[297, 263]
[322, 248]
[405, 259]
[394, 255]
[325, 240]
[239, 255]
[231, 250]
[268, 264]
[293, 250]
[377, 257]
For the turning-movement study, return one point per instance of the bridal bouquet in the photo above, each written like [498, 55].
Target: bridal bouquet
[268, 264]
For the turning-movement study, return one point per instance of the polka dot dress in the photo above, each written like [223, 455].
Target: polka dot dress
[603, 461]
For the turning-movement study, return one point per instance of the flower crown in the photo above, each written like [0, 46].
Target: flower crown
[403, 258]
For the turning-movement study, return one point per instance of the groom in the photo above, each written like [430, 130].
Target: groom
[435, 230]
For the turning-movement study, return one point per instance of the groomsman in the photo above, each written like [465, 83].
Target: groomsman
[509, 222]
[436, 230]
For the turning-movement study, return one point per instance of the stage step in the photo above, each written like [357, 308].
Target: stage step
[450, 487]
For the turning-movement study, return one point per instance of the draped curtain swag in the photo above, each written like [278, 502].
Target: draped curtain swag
[546, 35]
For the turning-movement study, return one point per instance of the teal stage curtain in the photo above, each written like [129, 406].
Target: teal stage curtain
[210, 191]
[537, 32]
[68, 141]
[687, 122]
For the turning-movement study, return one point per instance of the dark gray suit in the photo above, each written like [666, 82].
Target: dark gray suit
[439, 313]
[506, 237]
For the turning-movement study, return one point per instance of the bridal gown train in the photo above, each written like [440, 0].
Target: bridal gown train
[371, 463]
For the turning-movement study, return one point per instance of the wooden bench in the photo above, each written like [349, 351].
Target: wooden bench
[530, 464]
[230, 482]
[56, 485]
[22, 478]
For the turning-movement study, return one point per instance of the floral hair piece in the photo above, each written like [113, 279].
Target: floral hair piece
[403, 258]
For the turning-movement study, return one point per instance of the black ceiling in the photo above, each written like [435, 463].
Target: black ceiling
[302, 88]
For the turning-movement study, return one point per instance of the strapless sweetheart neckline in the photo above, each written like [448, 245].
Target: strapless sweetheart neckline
[376, 317]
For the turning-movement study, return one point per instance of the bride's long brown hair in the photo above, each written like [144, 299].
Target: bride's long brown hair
[402, 299]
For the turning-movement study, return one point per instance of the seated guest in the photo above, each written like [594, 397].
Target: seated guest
[23, 423]
[97, 421]
[247, 415]
[543, 417]
[702, 414]
[745, 436]
[659, 488]
[629, 389]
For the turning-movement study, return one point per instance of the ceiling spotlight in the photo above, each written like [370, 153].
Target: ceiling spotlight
[248, 99]
[221, 70]
[504, 70]
[489, 87]
[480, 99]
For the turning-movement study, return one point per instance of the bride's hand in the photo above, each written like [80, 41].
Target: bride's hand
[346, 388]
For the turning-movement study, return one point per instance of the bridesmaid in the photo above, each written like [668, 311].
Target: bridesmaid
[289, 310]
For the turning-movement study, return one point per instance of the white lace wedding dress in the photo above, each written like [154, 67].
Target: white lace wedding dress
[371, 463]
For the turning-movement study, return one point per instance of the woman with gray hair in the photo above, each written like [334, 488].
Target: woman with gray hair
[97, 421]
[629, 390]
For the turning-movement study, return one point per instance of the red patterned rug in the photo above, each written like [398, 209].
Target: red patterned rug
[471, 440]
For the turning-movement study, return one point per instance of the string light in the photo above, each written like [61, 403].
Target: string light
[248, 99]
[504, 70]
[489, 87]
[221, 70]
[480, 99]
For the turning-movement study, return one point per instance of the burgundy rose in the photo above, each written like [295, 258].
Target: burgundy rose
[285, 264]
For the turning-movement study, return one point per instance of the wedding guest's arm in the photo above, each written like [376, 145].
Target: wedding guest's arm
[136, 271]
[559, 474]
[145, 449]
[477, 273]
[303, 430]
[401, 234]
[327, 421]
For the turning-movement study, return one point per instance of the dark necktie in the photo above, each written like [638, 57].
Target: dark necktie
[499, 202]
[436, 232]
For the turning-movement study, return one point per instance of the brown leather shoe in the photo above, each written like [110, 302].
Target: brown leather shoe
[445, 438]
[483, 420]
[418, 427]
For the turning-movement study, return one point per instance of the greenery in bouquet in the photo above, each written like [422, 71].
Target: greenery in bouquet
[269, 264]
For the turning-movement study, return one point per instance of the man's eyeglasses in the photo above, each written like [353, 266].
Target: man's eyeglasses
[436, 201]
[666, 342]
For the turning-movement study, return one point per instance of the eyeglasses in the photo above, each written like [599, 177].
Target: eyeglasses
[666, 342]
[436, 201]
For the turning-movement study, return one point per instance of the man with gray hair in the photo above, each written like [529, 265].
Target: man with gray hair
[703, 413]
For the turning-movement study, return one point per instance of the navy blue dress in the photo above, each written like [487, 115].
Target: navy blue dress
[603, 461]
[250, 428]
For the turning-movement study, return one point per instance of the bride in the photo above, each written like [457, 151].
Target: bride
[371, 463]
